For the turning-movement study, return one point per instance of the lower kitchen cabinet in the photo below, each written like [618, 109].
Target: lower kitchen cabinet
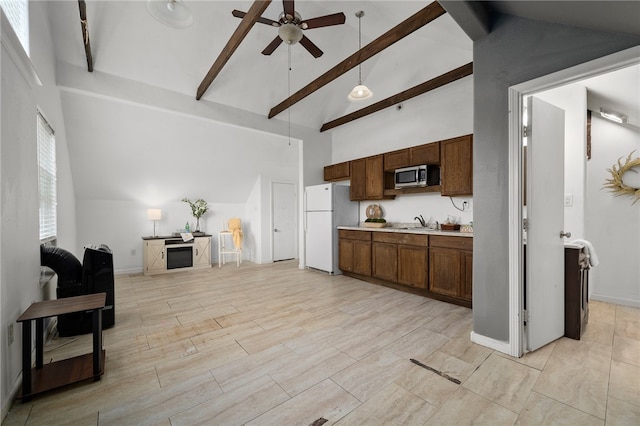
[413, 264]
[437, 266]
[354, 249]
[400, 258]
[451, 267]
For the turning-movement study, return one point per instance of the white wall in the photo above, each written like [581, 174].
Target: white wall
[443, 113]
[19, 247]
[613, 223]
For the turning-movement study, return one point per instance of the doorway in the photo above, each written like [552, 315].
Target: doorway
[284, 230]
[517, 95]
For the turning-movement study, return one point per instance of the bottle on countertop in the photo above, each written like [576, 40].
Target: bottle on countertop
[186, 227]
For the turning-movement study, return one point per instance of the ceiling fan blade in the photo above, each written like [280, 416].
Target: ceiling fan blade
[312, 48]
[289, 8]
[239, 14]
[323, 21]
[272, 46]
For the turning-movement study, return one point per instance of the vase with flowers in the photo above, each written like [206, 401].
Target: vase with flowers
[198, 208]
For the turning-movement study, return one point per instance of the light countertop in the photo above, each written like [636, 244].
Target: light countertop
[409, 230]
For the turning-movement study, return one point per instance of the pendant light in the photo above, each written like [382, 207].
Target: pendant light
[172, 13]
[360, 92]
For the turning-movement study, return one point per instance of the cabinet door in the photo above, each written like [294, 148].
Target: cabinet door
[457, 166]
[425, 154]
[336, 172]
[154, 256]
[345, 255]
[412, 266]
[202, 251]
[467, 284]
[375, 177]
[358, 179]
[396, 160]
[444, 271]
[362, 258]
[385, 261]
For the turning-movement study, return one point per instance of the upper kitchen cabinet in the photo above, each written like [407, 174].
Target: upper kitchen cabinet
[456, 157]
[415, 156]
[336, 172]
[396, 159]
[425, 154]
[368, 178]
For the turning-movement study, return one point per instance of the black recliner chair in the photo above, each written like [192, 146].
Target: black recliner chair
[94, 275]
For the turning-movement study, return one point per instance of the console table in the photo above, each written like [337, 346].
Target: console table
[45, 377]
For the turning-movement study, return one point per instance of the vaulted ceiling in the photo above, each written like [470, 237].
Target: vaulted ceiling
[128, 43]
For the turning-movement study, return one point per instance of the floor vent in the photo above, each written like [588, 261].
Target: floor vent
[319, 422]
[439, 373]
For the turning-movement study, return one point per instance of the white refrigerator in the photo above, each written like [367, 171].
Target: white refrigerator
[326, 207]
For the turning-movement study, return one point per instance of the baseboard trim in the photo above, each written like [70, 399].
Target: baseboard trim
[616, 300]
[491, 343]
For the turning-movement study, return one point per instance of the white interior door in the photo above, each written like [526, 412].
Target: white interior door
[284, 221]
[545, 216]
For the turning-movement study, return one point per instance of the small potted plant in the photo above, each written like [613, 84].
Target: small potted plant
[198, 208]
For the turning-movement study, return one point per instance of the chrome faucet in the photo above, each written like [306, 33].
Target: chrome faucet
[421, 220]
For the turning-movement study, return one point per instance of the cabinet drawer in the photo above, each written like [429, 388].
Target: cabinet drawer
[401, 238]
[461, 243]
[354, 235]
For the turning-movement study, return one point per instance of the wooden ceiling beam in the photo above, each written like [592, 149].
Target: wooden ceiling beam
[400, 31]
[84, 25]
[434, 83]
[254, 12]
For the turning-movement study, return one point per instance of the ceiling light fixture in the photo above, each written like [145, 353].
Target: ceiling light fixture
[172, 13]
[613, 116]
[360, 92]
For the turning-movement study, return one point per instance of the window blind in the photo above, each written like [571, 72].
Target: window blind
[17, 12]
[47, 180]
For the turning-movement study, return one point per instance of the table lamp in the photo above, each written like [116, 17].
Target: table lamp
[154, 215]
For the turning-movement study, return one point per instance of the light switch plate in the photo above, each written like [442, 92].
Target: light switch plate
[568, 200]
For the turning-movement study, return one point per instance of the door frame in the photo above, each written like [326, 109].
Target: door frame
[516, 94]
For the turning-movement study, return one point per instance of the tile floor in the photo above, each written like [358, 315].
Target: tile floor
[276, 345]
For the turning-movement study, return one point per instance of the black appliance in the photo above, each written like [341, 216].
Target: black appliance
[94, 275]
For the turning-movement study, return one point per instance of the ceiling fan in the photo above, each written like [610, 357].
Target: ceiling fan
[290, 25]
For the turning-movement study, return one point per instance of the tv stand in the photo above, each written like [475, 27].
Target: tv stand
[169, 253]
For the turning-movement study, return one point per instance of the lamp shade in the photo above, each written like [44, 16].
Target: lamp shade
[172, 13]
[360, 93]
[154, 214]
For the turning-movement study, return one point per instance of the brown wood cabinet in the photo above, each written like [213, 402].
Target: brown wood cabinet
[336, 172]
[354, 249]
[456, 159]
[425, 154]
[368, 178]
[451, 267]
[396, 160]
[400, 258]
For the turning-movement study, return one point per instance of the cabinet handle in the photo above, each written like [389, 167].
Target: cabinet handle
[196, 252]
[162, 254]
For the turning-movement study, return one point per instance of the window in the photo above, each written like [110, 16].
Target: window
[17, 12]
[47, 180]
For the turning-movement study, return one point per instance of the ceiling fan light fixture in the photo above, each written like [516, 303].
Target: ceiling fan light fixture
[290, 33]
[172, 13]
[360, 93]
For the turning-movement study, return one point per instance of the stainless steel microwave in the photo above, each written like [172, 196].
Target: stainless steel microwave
[415, 176]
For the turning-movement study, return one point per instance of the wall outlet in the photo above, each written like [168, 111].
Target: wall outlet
[568, 200]
[467, 205]
[10, 333]
[133, 252]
